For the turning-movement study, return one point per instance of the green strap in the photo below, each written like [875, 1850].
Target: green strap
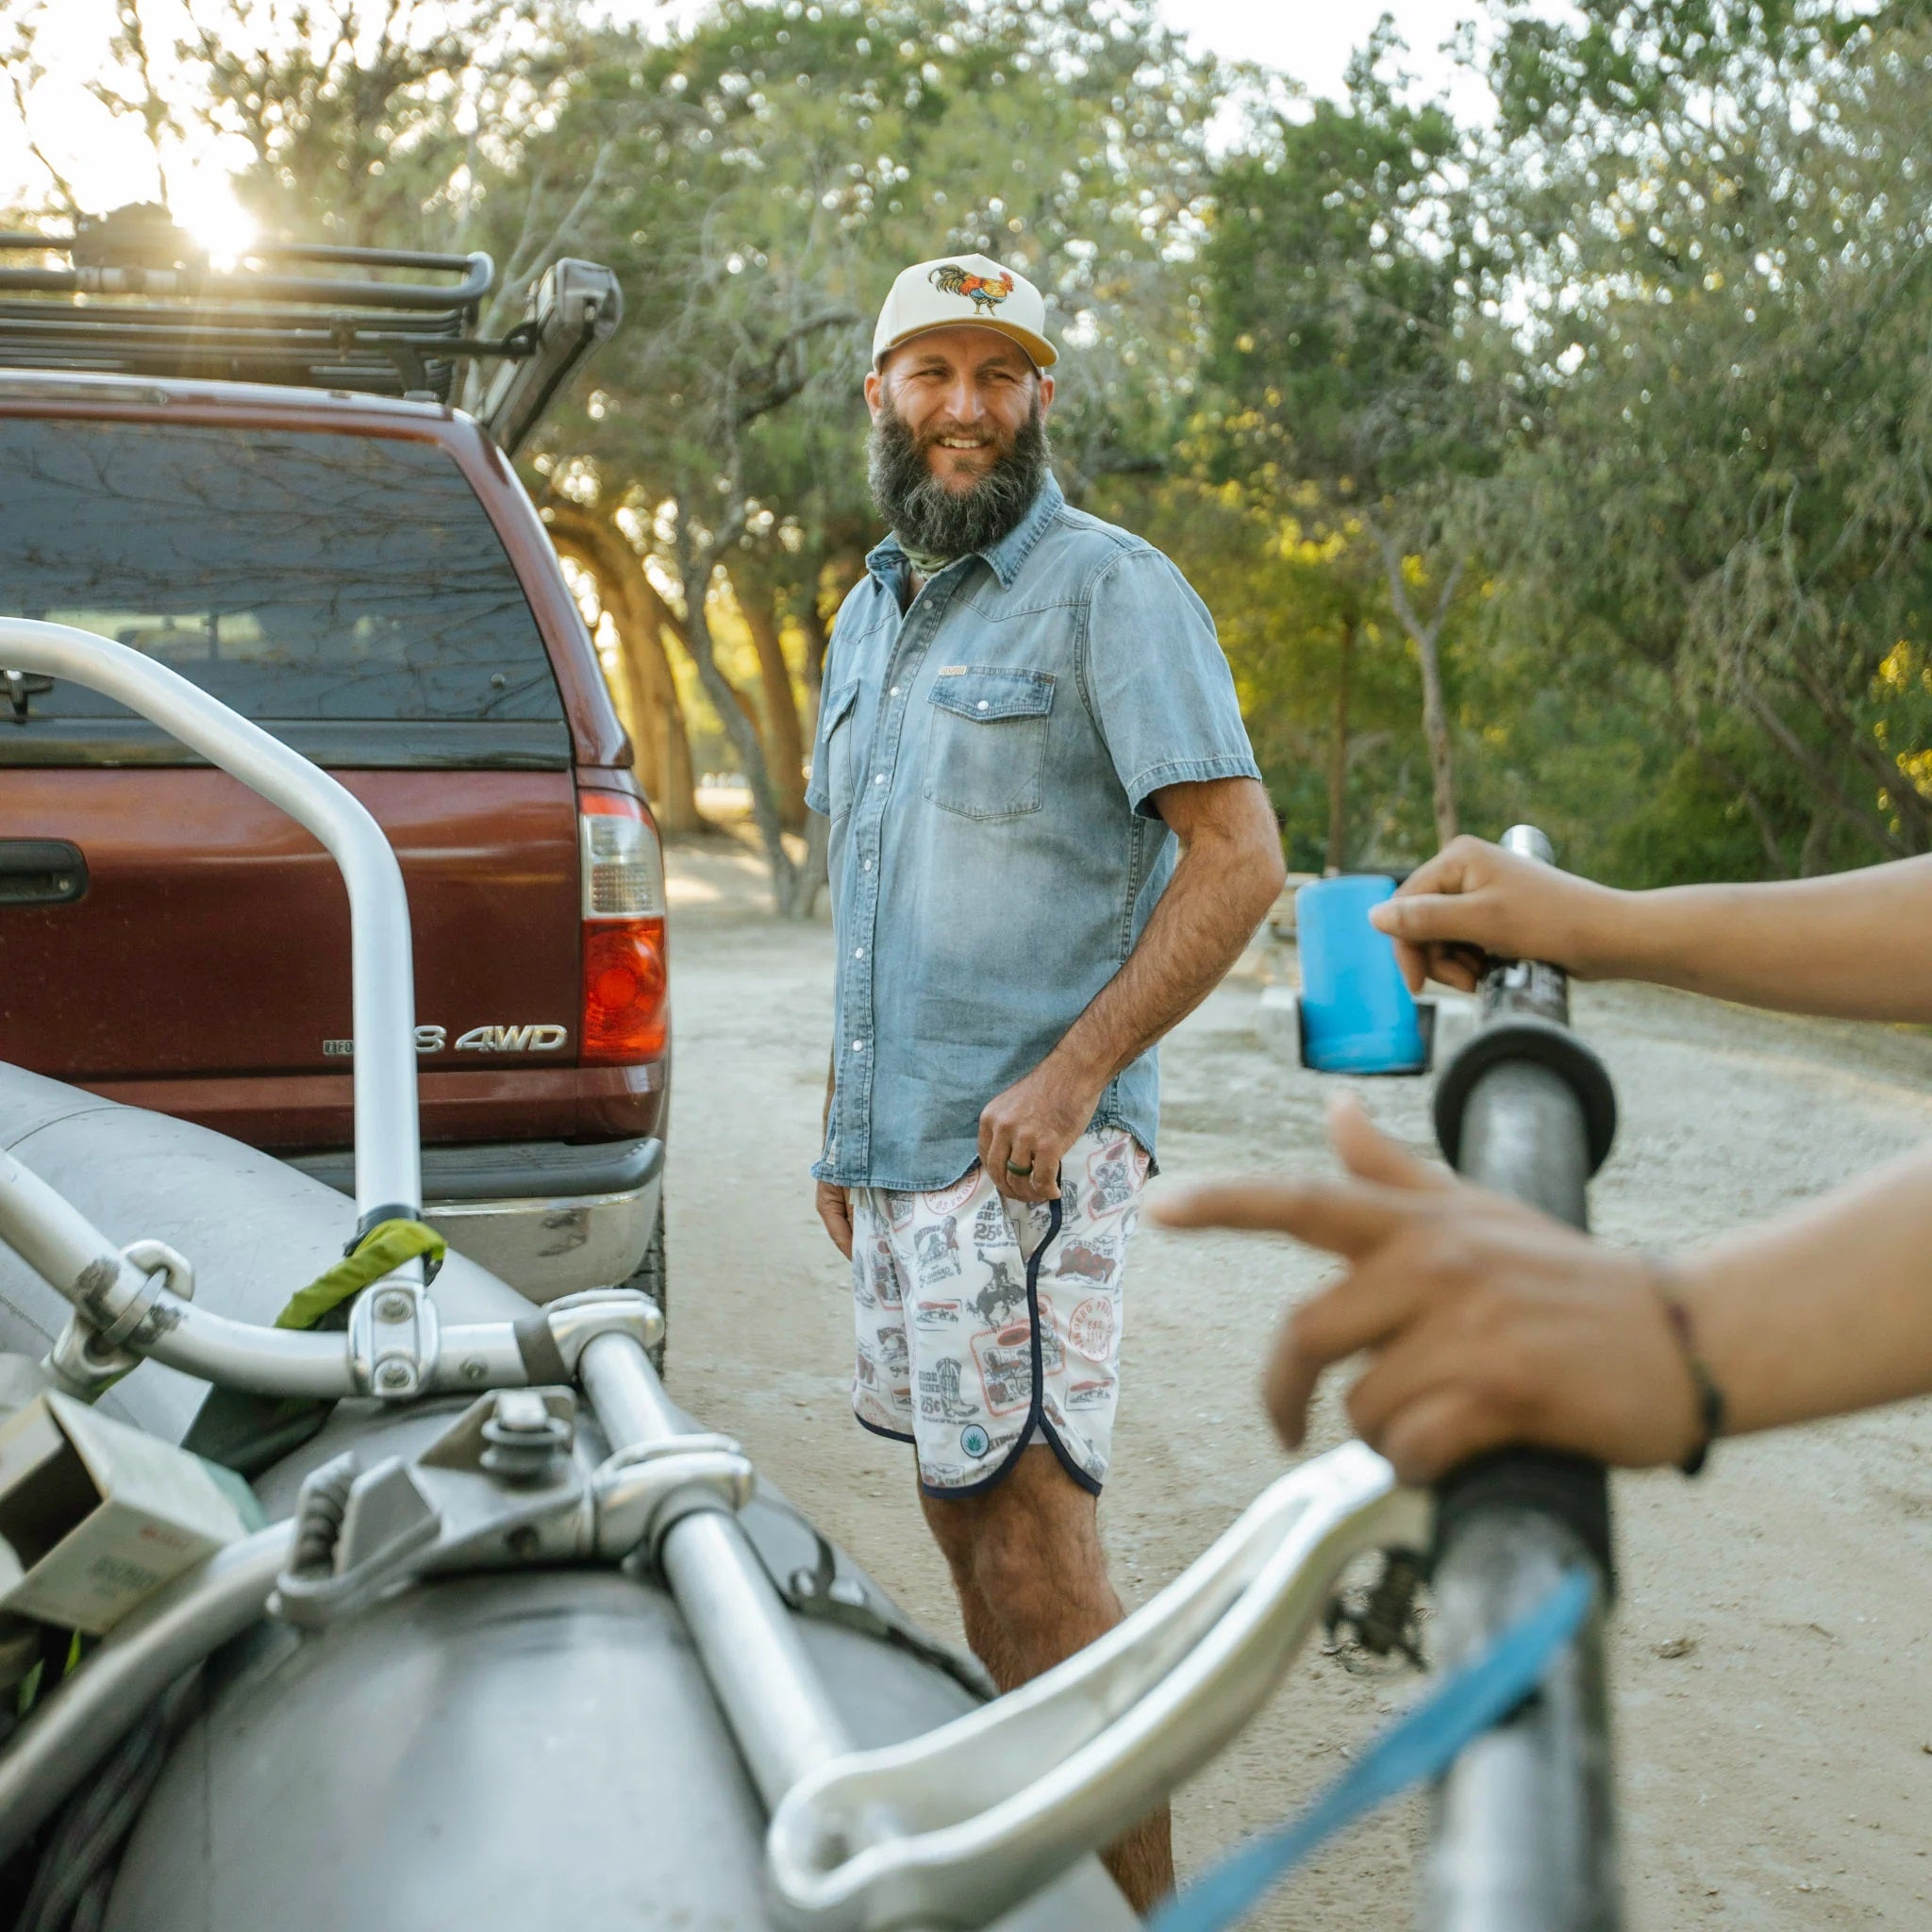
[381, 1252]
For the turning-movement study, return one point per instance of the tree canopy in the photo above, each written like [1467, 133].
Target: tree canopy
[1574, 462]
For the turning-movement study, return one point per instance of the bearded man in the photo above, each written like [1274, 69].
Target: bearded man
[1049, 841]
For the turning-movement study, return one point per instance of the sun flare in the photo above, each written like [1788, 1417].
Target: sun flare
[203, 204]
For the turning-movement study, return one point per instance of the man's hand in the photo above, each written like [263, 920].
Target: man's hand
[835, 1211]
[1475, 898]
[1024, 1131]
[1486, 1323]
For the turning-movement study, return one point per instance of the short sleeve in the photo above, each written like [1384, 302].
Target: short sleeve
[1159, 683]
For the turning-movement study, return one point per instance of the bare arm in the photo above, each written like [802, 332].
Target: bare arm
[1228, 874]
[1485, 1322]
[1856, 945]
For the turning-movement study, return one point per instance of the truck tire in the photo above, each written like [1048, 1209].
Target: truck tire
[651, 1276]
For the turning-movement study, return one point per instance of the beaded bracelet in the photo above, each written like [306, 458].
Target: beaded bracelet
[1710, 1398]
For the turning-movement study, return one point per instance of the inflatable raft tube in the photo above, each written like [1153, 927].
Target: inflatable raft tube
[509, 1752]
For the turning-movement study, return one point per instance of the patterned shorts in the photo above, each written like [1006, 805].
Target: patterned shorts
[984, 1324]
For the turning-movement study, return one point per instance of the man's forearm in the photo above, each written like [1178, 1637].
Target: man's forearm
[1826, 1309]
[1855, 944]
[1205, 917]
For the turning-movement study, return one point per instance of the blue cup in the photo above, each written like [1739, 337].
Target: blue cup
[1357, 1014]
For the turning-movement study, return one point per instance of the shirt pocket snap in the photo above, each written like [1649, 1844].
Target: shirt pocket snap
[986, 751]
[835, 736]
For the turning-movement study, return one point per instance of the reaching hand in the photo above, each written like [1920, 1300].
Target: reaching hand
[1486, 1323]
[1475, 898]
[1024, 1131]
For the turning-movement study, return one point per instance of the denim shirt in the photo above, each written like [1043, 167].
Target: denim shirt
[987, 757]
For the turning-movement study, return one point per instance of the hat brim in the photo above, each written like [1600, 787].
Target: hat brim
[1043, 352]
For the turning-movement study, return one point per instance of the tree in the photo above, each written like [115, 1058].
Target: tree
[1724, 485]
[645, 689]
[755, 236]
[1345, 260]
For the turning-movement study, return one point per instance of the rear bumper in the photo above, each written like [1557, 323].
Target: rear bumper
[547, 1217]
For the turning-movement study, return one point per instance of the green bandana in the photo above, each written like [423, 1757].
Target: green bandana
[922, 564]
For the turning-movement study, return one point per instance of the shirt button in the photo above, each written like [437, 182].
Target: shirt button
[879, 778]
[858, 1046]
[895, 690]
[982, 705]
[858, 952]
[867, 866]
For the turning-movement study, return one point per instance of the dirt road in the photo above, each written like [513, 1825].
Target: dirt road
[1772, 1661]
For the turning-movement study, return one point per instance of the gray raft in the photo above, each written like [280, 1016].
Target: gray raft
[519, 1749]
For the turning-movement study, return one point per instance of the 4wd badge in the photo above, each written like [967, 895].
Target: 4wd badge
[510, 1040]
[477, 1040]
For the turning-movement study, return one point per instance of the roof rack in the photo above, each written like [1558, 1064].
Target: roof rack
[142, 298]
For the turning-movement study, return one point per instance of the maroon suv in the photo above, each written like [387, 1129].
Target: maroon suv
[363, 574]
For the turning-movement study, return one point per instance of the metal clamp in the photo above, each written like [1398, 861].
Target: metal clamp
[575, 1321]
[161, 1270]
[355, 1537]
[100, 1344]
[641, 1491]
[981, 1812]
[83, 1364]
[393, 1336]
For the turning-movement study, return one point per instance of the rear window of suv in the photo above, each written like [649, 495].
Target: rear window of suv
[346, 592]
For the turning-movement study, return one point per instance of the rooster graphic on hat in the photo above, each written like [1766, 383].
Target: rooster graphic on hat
[986, 291]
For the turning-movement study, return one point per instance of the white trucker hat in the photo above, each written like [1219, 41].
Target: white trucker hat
[957, 289]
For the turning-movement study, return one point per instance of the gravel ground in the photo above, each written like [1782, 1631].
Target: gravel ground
[1770, 1661]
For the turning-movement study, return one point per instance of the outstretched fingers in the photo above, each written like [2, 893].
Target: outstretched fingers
[1371, 1155]
[1345, 1217]
[1358, 1313]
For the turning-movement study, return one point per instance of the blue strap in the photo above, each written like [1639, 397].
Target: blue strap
[1421, 1745]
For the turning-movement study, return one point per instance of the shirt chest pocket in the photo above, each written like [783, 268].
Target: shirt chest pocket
[985, 749]
[837, 740]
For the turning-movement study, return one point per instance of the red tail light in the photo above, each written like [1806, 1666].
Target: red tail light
[626, 983]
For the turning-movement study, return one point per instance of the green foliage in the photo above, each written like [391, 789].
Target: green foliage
[1599, 437]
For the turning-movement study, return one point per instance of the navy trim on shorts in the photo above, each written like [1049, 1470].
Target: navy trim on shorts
[891, 1435]
[1036, 1410]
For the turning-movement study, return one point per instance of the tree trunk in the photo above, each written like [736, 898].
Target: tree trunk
[783, 742]
[1812, 855]
[1425, 637]
[817, 639]
[1436, 734]
[1825, 784]
[648, 691]
[1337, 755]
[695, 565]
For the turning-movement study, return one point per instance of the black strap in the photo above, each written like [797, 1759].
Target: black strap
[543, 1360]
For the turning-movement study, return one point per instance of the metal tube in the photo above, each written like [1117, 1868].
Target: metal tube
[1524, 1834]
[771, 1698]
[387, 1157]
[78, 1722]
[76, 1260]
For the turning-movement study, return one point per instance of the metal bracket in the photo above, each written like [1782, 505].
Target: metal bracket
[641, 1491]
[352, 1544]
[84, 1365]
[499, 1486]
[393, 1335]
[161, 1269]
[575, 1321]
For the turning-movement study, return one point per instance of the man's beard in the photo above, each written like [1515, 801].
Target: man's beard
[939, 524]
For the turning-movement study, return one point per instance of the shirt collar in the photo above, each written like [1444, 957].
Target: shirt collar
[887, 561]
